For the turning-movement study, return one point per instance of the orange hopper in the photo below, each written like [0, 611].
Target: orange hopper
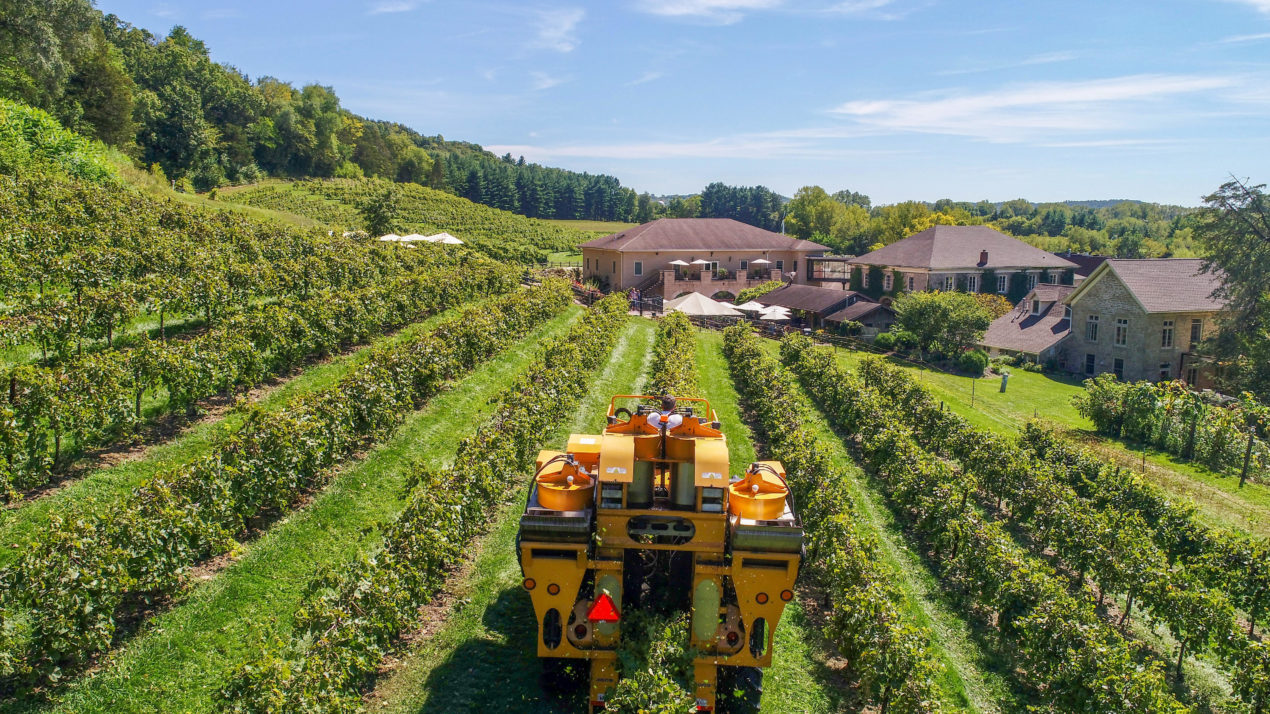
[760, 496]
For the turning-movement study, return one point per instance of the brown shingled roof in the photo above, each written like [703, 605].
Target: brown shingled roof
[1021, 331]
[809, 298]
[699, 234]
[961, 247]
[1169, 284]
[856, 312]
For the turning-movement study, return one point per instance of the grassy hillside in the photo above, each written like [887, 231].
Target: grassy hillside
[500, 234]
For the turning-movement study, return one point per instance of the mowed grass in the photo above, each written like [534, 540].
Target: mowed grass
[972, 679]
[179, 659]
[20, 520]
[1219, 498]
[484, 656]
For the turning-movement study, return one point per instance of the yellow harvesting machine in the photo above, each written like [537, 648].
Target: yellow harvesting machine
[647, 510]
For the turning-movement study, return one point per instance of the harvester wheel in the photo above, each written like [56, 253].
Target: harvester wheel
[561, 675]
[740, 690]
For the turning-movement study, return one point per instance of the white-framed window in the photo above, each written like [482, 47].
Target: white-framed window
[780, 265]
[887, 282]
[1122, 332]
[1091, 328]
[1166, 371]
[1197, 331]
[1002, 282]
[639, 268]
[910, 283]
[1067, 312]
[745, 265]
[1089, 364]
[950, 283]
[1036, 306]
[972, 283]
[1166, 334]
[1031, 280]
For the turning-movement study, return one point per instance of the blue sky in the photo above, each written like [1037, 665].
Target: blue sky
[899, 99]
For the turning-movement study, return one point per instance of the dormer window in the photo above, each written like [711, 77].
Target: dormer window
[1036, 306]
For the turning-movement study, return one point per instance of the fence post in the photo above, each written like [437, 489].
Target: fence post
[1247, 460]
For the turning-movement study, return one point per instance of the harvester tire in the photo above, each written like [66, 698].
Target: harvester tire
[740, 690]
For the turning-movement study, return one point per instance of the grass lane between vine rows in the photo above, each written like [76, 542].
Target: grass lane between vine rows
[483, 656]
[800, 679]
[180, 658]
[19, 520]
[973, 680]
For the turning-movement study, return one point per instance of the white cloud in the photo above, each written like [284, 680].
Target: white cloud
[857, 6]
[1235, 39]
[645, 78]
[1261, 5]
[1030, 111]
[741, 147]
[542, 80]
[724, 12]
[1043, 58]
[392, 6]
[556, 28]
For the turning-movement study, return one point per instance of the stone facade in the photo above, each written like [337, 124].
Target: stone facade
[1139, 351]
[623, 270]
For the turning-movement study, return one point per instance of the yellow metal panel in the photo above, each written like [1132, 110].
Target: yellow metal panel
[617, 459]
[712, 463]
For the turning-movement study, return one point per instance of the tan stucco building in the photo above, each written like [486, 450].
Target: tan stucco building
[714, 255]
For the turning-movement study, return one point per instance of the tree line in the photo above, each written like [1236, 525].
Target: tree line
[166, 104]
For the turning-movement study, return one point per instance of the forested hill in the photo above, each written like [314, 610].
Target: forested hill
[164, 102]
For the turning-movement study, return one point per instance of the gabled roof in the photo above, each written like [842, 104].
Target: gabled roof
[961, 247]
[1021, 331]
[1085, 264]
[699, 234]
[857, 311]
[1161, 284]
[810, 298]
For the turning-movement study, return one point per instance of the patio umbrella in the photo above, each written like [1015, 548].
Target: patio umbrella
[761, 261]
[412, 238]
[700, 262]
[679, 262]
[444, 238]
[698, 304]
[393, 237]
[774, 315]
[752, 306]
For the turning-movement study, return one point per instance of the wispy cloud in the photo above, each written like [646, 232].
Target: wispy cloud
[854, 7]
[1261, 5]
[1029, 111]
[392, 6]
[557, 28]
[645, 78]
[1235, 39]
[723, 12]
[769, 145]
[542, 80]
[1043, 58]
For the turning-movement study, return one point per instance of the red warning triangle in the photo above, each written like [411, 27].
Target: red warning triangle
[603, 610]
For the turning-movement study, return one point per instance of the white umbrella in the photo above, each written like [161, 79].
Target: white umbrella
[679, 262]
[412, 238]
[775, 310]
[774, 314]
[700, 262]
[761, 261]
[445, 238]
[698, 304]
[752, 306]
[393, 237]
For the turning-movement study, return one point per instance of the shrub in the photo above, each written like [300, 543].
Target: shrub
[885, 341]
[749, 294]
[973, 362]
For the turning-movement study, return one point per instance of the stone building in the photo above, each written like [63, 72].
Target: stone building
[967, 258]
[1142, 319]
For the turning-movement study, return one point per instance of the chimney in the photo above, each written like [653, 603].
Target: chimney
[983, 257]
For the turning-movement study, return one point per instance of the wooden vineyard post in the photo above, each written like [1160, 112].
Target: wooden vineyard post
[1243, 476]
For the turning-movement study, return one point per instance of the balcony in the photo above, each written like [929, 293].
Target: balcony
[673, 282]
